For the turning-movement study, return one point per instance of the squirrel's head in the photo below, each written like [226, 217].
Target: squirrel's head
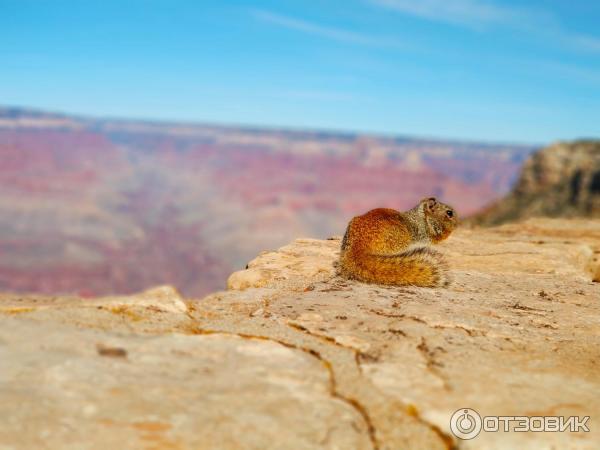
[441, 218]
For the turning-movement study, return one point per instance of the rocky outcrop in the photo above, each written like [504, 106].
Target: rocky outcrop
[562, 180]
[291, 356]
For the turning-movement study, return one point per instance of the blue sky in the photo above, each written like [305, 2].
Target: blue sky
[475, 69]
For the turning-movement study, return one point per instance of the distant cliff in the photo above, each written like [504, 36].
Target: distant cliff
[95, 206]
[562, 180]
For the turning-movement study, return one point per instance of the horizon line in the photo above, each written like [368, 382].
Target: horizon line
[348, 132]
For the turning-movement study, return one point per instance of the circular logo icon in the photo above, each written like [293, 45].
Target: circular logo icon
[465, 423]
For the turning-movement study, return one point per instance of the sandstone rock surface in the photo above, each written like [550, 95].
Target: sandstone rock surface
[291, 356]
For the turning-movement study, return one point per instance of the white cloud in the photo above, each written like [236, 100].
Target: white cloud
[586, 42]
[336, 34]
[569, 71]
[317, 95]
[483, 14]
[471, 13]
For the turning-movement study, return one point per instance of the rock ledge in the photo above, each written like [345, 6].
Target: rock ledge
[291, 356]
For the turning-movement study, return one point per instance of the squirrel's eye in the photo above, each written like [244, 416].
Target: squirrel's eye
[450, 213]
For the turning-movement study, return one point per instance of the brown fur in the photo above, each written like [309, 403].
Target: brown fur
[385, 246]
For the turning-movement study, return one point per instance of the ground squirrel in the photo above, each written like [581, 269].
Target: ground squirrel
[385, 246]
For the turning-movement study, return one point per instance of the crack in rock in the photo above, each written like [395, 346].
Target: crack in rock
[380, 418]
[353, 403]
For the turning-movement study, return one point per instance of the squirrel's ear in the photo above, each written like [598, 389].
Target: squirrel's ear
[429, 203]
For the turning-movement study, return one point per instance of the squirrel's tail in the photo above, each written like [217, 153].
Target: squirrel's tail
[420, 266]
